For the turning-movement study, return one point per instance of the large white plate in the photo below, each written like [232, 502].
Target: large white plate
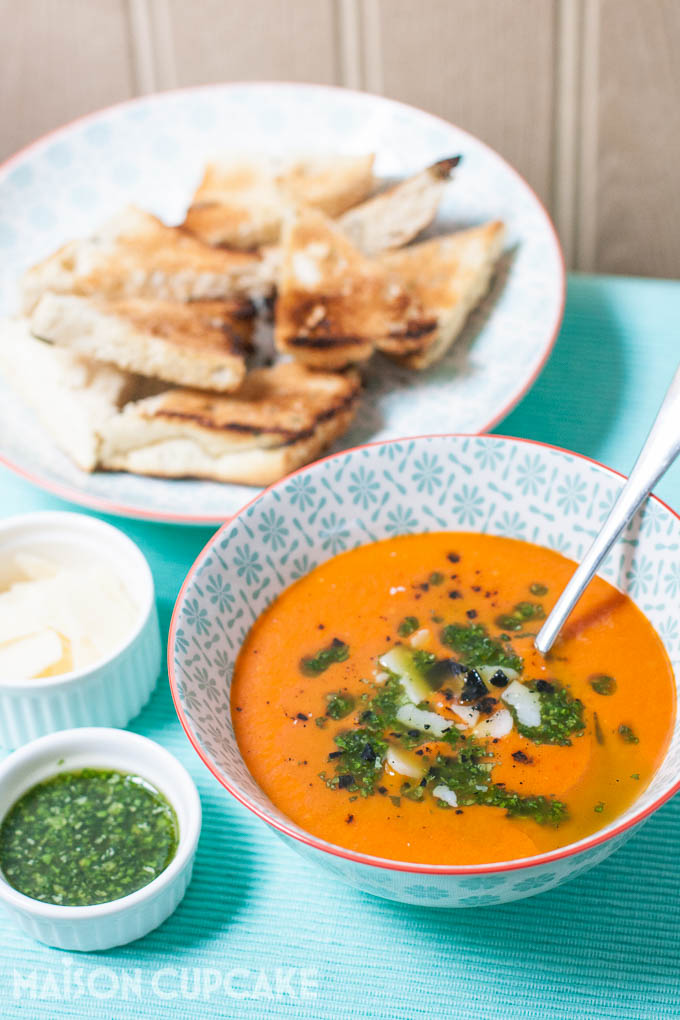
[150, 152]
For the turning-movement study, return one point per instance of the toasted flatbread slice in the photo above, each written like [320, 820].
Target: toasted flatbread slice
[70, 395]
[281, 418]
[445, 278]
[135, 255]
[394, 217]
[332, 184]
[199, 343]
[333, 303]
[242, 204]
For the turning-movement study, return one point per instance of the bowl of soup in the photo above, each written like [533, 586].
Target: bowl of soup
[352, 656]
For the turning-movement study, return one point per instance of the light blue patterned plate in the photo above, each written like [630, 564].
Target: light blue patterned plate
[151, 151]
[510, 487]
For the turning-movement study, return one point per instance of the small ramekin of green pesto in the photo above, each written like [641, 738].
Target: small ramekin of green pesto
[98, 833]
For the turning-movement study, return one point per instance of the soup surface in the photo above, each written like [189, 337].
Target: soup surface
[392, 702]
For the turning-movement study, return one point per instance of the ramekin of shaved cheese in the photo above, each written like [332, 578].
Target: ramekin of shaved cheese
[79, 637]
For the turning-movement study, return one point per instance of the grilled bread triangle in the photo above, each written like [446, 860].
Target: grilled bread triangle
[394, 217]
[333, 303]
[281, 418]
[445, 279]
[70, 395]
[242, 204]
[199, 343]
[135, 254]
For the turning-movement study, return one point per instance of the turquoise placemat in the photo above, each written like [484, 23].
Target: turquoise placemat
[261, 933]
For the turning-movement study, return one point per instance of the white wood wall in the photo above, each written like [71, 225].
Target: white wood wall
[582, 96]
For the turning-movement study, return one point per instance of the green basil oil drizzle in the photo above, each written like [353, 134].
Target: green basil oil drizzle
[357, 762]
[561, 715]
[315, 665]
[475, 648]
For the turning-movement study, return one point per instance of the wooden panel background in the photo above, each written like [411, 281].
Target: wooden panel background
[582, 96]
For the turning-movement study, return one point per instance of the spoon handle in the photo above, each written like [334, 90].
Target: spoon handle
[660, 450]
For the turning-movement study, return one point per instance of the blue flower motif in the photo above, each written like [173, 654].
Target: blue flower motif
[511, 525]
[301, 566]
[247, 564]
[188, 697]
[363, 487]
[222, 663]
[273, 529]
[424, 892]
[571, 494]
[483, 900]
[490, 453]
[206, 683]
[427, 472]
[531, 474]
[669, 630]
[559, 543]
[401, 520]
[640, 576]
[182, 642]
[197, 617]
[672, 579]
[535, 882]
[467, 505]
[607, 502]
[220, 593]
[653, 518]
[334, 532]
[391, 451]
[302, 491]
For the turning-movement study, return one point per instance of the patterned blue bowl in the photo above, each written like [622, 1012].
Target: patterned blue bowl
[500, 486]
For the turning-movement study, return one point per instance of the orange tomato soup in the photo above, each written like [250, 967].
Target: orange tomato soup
[392, 702]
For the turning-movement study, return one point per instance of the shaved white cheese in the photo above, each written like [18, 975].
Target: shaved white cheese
[399, 661]
[497, 725]
[397, 588]
[442, 792]
[467, 713]
[526, 703]
[486, 672]
[380, 676]
[427, 722]
[33, 567]
[405, 763]
[29, 656]
[86, 604]
[420, 638]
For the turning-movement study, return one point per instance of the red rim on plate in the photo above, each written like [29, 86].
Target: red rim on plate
[105, 505]
[380, 862]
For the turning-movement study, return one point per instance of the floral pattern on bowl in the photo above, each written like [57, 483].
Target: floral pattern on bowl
[486, 484]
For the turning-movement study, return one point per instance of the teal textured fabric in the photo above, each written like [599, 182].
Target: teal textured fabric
[261, 933]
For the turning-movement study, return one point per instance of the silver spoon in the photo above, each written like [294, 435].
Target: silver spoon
[656, 456]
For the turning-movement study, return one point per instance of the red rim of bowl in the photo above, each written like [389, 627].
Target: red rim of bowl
[337, 851]
[102, 503]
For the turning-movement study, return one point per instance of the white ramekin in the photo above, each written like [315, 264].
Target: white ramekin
[112, 691]
[105, 924]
